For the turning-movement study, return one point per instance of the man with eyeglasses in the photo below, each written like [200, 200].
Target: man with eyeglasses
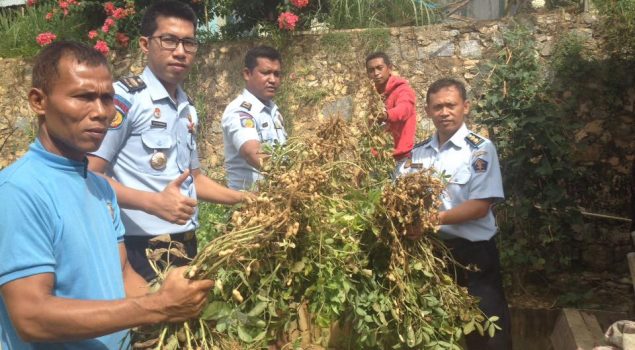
[150, 153]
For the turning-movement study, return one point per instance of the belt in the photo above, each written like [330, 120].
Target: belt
[166, 237]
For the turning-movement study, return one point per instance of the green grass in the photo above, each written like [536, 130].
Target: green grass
[380, 13]
[19, 27]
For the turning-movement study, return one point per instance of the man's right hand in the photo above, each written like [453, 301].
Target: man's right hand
[172, 205]
[180, 298]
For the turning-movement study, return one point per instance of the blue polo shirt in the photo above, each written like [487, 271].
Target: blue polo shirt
[58, 218]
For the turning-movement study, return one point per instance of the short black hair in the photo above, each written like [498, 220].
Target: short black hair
[262, 51]
[445, 83]
[379, 54]
[46, 66]
[166, 8]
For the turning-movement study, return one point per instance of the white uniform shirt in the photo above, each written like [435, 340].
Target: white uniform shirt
[149, 124]
[247, 118]
[470, 164]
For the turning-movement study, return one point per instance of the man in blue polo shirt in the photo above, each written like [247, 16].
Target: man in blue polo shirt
[65, 281]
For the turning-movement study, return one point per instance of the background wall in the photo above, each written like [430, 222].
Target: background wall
[324, 75]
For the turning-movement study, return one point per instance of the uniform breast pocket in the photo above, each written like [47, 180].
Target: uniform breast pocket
[458, 185]
[157, 146]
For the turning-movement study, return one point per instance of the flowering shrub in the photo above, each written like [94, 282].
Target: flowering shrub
[287, 20]
[300, 3]
[45, 38]
[105, 36]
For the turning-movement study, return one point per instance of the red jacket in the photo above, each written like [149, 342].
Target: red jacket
[400, 100]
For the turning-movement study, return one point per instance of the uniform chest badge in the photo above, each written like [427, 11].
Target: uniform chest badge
[158, 160]
[479, 165]
[265, 124]
[157, 113]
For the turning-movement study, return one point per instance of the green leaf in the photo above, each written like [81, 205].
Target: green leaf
[468, 328]
[244, 335]
[216, 310]
[258, 309]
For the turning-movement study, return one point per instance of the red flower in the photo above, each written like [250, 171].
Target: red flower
[287, 20]
[122, 39]
[92, 34]
[65, 12]
[300, 3]
[105, 28]
[109, 22]
[49, 16]
[119, 13]
[63, 5]
[45, 38]
[109, 7]
[102, 47]
[31, 3]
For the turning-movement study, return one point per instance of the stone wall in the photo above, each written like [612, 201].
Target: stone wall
[324, 76]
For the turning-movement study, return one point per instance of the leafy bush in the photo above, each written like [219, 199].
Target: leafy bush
[618, 26]
[535, 150]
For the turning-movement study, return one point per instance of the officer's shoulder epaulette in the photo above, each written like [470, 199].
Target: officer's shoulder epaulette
[423, 143]
[133, 83]
[246, 105]
[474, 140]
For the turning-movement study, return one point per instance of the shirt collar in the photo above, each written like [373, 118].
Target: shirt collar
[458, 139]
[257, 105]
[58, 162]
[157, 90]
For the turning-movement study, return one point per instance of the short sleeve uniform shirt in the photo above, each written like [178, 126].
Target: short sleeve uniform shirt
[470, 164]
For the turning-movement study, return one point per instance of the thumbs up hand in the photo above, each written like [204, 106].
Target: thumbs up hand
[171, 205]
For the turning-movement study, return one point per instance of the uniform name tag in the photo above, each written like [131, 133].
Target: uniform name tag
[158, 124]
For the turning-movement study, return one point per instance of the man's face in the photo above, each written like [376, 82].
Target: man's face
[169, 65]
[447, 109]
[76, 112]
[264, 80]
[378, 71]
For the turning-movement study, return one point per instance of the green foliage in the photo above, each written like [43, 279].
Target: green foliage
[618, 26]
[535, 148]
[211, 218]
[379, 13]
[19, 27]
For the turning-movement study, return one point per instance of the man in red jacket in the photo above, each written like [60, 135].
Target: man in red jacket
[399, 99]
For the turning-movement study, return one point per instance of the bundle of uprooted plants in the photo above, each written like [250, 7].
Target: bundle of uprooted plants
[320, 258]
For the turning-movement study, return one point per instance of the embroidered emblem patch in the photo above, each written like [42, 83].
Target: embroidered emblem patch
[479, 165]
[116, 123]
[478, 154]
[246, 105]
[121, 106]
[157, 113]
[247, 121]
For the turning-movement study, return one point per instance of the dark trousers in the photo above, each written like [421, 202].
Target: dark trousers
[487, 285]
[136, 249]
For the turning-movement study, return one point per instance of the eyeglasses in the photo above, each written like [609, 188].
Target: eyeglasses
[170, 42]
